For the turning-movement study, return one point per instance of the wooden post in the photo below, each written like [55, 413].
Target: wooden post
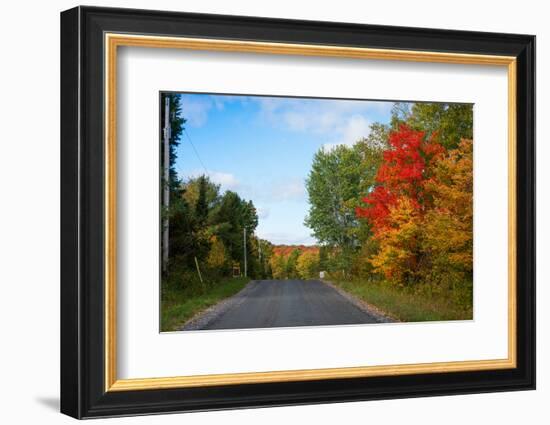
[198, 269]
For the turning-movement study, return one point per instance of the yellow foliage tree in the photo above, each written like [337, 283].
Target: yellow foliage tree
[278, 266]
[217, 256]
[399, 256]
[308, 265]
[432, 243]
[448, 226]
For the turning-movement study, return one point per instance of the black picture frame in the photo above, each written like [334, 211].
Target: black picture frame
[83, 392]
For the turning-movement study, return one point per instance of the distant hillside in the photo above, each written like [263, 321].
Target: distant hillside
[285, 250]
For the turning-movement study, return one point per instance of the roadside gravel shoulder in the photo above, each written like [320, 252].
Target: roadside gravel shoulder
[379, 315]
[204, 318]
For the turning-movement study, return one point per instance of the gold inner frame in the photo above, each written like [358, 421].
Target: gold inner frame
[113, 41]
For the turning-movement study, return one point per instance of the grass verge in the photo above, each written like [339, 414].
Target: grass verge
[406, 305]
[178, 306]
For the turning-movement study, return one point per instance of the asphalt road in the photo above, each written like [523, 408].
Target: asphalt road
[282, 303]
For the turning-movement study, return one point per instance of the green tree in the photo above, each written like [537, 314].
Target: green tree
[201, 207]
[229, 228]
[232, 216]
[451, 121]
[186, 238]
[338, 179]
[211, 193]
[333, 182]
[377, 139]
[249, 217]
[177, 122]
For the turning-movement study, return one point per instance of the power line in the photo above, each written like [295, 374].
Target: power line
[196, 152]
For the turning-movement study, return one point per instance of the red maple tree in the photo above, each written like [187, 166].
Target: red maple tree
[403, 173]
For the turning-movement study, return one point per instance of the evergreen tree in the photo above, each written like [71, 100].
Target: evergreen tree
[201, 207]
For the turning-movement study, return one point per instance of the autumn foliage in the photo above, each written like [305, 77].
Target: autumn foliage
[294, 262]
[420, 211]
[286, 250]
[404, 169]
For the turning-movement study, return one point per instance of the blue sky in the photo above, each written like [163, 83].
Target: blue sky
[262, 148]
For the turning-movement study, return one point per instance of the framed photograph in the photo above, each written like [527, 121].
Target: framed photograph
[261, 212]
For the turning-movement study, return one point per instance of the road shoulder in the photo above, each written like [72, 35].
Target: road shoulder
[379, 315]
[203, 319]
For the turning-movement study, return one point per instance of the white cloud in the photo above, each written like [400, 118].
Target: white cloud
[227, 181]
[263, 212]
[343, 121]
[355, 128]
[291, 190]
[279, 190]
[195, 108]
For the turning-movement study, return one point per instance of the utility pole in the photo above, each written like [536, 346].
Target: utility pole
[245, 265]
[166, 181]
